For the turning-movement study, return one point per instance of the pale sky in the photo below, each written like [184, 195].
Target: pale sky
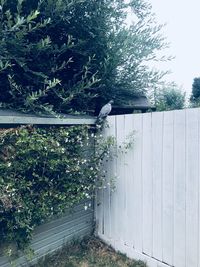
[183, 33]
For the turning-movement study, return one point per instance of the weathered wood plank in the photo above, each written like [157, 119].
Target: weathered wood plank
[192, 182]
[179, 188]
[147, 184]
[157, 155]
[107, 184]
[120, 185]
[198, 162]
[112, 179]
[129, 182]
[168, 188]
[137, 199]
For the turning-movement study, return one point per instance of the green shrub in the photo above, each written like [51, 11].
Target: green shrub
[42, 172]
[70, 56]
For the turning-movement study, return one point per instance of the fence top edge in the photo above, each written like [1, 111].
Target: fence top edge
[14, 117]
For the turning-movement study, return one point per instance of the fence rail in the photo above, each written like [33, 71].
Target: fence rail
[154, 212]
[9, 117]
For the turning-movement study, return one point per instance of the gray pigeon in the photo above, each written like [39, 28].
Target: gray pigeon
[105, 110]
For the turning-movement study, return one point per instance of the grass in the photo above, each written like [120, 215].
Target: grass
[88, 253]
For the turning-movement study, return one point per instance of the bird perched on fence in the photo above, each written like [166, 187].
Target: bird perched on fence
[105, 110]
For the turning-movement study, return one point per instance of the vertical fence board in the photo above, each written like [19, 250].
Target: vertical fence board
[129, 181]
[168, 188]
[137, 201]
[179, 188]
[99, 211]
[120, 185]
[198, 237]
[108, 131]
[157, 149]
[147, 184]
[111, 176]
[192, 171]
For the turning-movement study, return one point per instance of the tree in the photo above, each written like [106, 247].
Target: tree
[169, 97]
[74, 55]
[195, 96]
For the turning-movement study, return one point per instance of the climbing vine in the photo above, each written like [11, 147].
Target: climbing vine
[43, 171]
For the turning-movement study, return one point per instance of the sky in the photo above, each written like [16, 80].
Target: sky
[182, 31]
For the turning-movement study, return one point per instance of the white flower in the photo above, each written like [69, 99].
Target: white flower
[9, 164]
[66, 140]
[85, 207]
[57, 143]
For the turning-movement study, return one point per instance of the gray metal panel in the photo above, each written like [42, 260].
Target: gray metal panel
[15, 117]
[45, 121]
[55, 233]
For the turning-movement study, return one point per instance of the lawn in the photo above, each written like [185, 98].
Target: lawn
[88, 253]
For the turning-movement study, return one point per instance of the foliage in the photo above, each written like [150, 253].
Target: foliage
[42, 172]
[195, 96]
[169, 97]
[72, 55]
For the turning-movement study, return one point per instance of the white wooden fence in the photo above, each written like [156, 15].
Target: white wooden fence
[154, 212]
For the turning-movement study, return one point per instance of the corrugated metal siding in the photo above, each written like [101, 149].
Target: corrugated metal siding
[53, 235]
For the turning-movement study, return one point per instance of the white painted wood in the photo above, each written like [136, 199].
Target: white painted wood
[108, 131]
[192, 181]
[198, 189]
[168, 188]
[147, 184]
[132, 253]
[137, 200]
[120, 184]
[129, 182]
[157, 155]
[99, 204]
[179, 188]
[112, 173]
[154, 213]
